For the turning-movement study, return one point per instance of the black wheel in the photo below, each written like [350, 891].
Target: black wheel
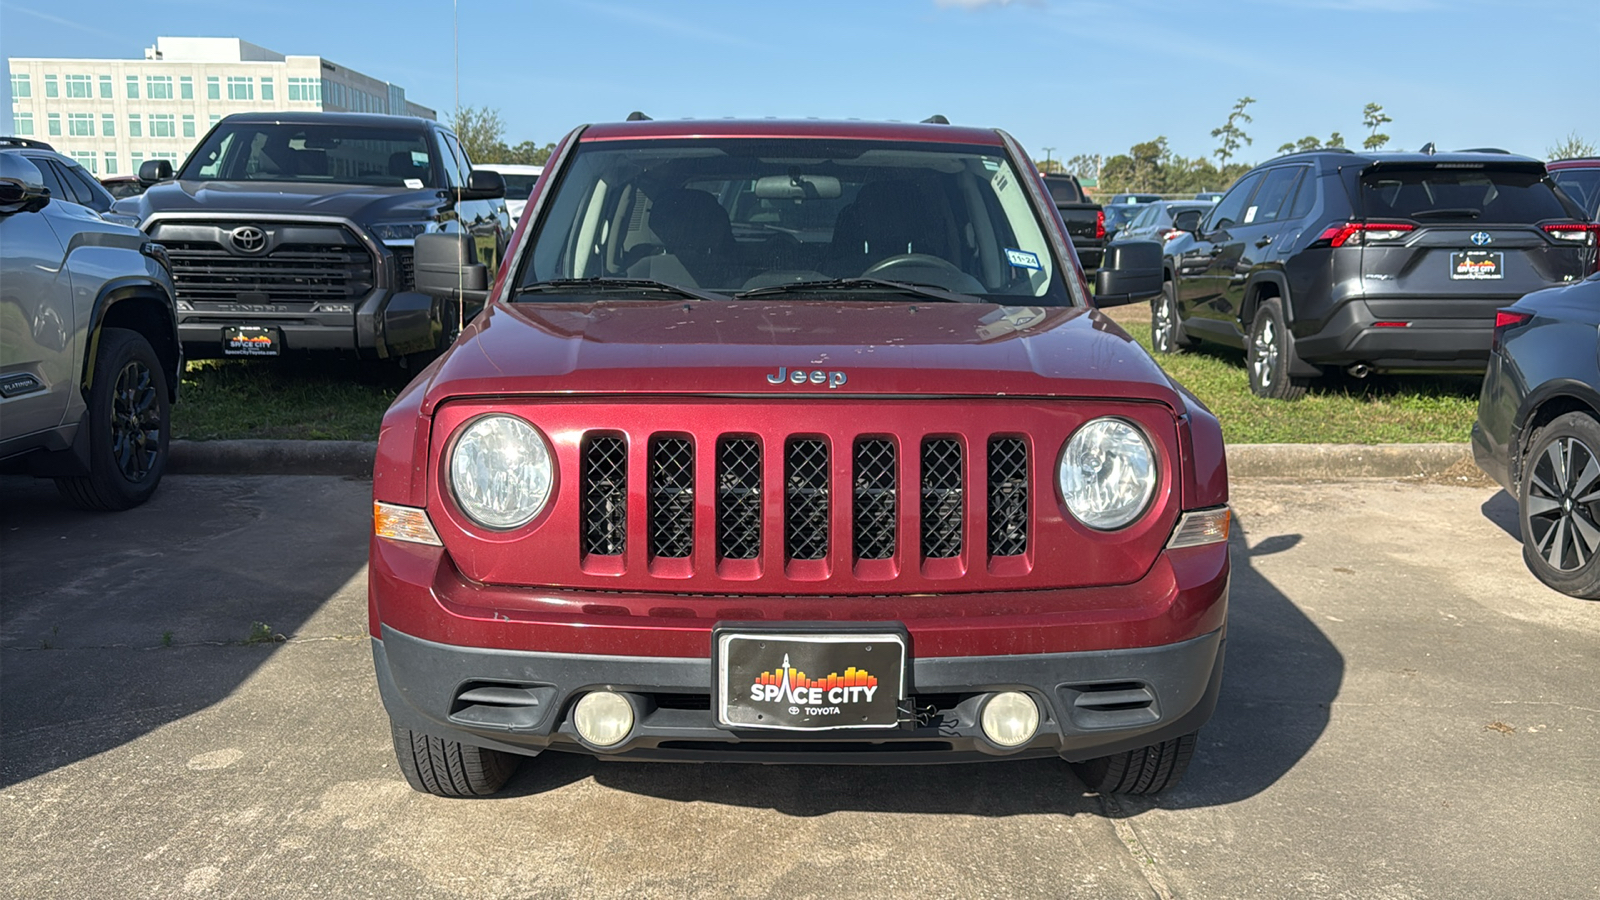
[1148, 770]
[1166, 330]
[129, 419]
[1267, 355]
[448, 768]
[1560, 509]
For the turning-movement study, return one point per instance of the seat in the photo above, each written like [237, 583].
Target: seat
[694, 231]
[888, 218]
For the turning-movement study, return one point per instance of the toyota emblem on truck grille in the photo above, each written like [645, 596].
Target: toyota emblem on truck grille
[248, 239]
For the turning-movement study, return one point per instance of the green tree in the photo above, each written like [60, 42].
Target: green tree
[480, 130]
[1571, 147]
[1233, 137]
[1311, 142]
[1086, 165]
[1373, 117]
[528, 153]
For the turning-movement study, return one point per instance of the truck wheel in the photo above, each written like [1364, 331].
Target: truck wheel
[129, 419]
[1267, 355]
[449, 330]
[1166, 330]
[449, 768]
[1560, 508]
[1148, 770]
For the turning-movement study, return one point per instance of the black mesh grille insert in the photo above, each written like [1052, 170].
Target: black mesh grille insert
[604, 487]
[1008, 496]
[874, 489]
[805, 488]
[941, 498]
[738, 498]
[671, 497]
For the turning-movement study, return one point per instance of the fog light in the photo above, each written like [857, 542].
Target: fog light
[603, 718]
[1010, 719]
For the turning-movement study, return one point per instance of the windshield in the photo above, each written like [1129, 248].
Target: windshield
[343, 154]
[518, 187]
[1484, 195]
[736, 214]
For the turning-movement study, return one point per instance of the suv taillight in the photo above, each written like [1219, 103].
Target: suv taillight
[1100, 224]
[1354, 234]
[1575, 232]
[1507, 318]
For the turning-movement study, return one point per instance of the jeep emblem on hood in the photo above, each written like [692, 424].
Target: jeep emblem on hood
[800, 376]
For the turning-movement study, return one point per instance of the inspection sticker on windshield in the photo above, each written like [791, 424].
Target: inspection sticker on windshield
[1023, 259]
[414, 183]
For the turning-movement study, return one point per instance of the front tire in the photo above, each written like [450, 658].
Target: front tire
[129, 421]
[450, 768]
[1147, 770]
[1560, 506]
[1267, 355]
[1166, 329]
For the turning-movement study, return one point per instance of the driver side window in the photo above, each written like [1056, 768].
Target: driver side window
[1230, 209]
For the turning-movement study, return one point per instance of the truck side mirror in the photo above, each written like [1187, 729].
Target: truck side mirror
[1130, 273]
[154, 170]
[483, 184]
[447, 266]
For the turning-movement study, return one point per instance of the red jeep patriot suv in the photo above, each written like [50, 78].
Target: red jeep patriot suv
[795, 442]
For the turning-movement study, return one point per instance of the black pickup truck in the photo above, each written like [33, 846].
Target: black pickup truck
[1085, 220]
[294, 233]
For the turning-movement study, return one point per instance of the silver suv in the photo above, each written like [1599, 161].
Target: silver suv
[89, 353]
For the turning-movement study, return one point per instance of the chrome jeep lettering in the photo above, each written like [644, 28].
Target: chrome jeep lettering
[833, 379]
[778, 378]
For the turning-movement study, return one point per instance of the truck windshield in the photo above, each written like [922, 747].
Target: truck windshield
[726, 215]
[343, 154]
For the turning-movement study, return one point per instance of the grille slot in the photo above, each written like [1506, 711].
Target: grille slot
[738, 498]
[405, 260]
[1008, 496]
[942, 498]
[805, 489]
[204, 272]
[671, 497]
[604, 477]
[874, 494]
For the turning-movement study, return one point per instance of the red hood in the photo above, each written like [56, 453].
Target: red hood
[932, 349]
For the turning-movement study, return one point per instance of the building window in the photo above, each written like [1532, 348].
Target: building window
[111, 163]
[21, 87]
[167, 155]
[24, 123]
[158, 87]
[215, 118]
[80, 87]
[266, 89]
[133, 87]
[135, 127]
[50, 87]
[186, 88]
[135, 160]
[80, 124]
[105, 87]
[85, 158]
[308, 90]
[240, 87]
[213, 88]
[188, 126]
[55, 124]
[108, 125]
[162, 125]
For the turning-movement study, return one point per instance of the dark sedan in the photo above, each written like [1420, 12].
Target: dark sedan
[1538, 434]
[1154, 222]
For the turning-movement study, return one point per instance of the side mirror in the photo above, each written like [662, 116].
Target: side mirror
[21, 186]
[447, 266]
[483, 184]
[1130, 273]
[154, 170]
[1188, 220]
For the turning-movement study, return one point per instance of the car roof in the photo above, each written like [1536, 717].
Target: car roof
[1581, 162]
[791, 128]
[511, 168]
[1334, 157]
[11, 142]
[332, 118]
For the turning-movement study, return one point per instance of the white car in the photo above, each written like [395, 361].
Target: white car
[519, 184]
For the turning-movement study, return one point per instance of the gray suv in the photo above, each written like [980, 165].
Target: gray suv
[89, 352]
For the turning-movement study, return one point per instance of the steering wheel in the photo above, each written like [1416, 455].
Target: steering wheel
[911, 260]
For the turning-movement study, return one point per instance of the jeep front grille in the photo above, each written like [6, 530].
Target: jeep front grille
[942, 498]
[604, 491]
[874, 489]
[805, 498]
[671, 497]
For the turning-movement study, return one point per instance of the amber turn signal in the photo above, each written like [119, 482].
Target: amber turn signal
[1203, 526]
[403, 523]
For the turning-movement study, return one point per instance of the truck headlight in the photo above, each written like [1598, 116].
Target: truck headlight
[1107, 473]
[501, 472]
[400, 231]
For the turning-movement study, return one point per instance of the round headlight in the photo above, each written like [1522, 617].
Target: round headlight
[501, 472]
[1108, 473]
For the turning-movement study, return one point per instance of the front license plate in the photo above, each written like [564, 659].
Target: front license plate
[251, 340]
[1477, 265]
[809, 682]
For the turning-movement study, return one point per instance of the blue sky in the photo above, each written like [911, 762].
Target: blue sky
[1076, 75]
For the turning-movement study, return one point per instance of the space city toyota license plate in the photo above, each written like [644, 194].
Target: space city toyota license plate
[1477, 265]
[251, 340]
[810, 681]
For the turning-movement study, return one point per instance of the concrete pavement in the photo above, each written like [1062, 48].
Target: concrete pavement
[1406, 713]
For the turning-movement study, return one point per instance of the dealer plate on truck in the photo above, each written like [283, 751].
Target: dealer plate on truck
[809, 682]
[251, 340]
[1476, 265]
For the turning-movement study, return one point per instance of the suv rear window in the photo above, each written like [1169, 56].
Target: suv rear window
[1460, 194]
[1582, 185]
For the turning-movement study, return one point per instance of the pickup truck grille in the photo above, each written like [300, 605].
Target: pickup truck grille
[289, 273]
[809, 504]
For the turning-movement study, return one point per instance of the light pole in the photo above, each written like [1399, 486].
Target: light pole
[1047, 152]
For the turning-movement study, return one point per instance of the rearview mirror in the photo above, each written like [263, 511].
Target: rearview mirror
[797, 187]
[1130, 273]
[483, 184]
[1187, 220]
[446, 265]
[154, 170]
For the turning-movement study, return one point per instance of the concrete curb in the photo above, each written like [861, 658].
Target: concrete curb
[1310, 461]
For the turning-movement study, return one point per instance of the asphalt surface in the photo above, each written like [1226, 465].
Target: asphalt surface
[1406, 713]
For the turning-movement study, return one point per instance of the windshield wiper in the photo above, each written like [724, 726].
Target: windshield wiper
[576, 285]
[1464, 212]
[857, 284]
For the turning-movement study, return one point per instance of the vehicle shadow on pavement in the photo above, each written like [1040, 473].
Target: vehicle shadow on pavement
[1502, 510]
[1282, 677]
[116, 624]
